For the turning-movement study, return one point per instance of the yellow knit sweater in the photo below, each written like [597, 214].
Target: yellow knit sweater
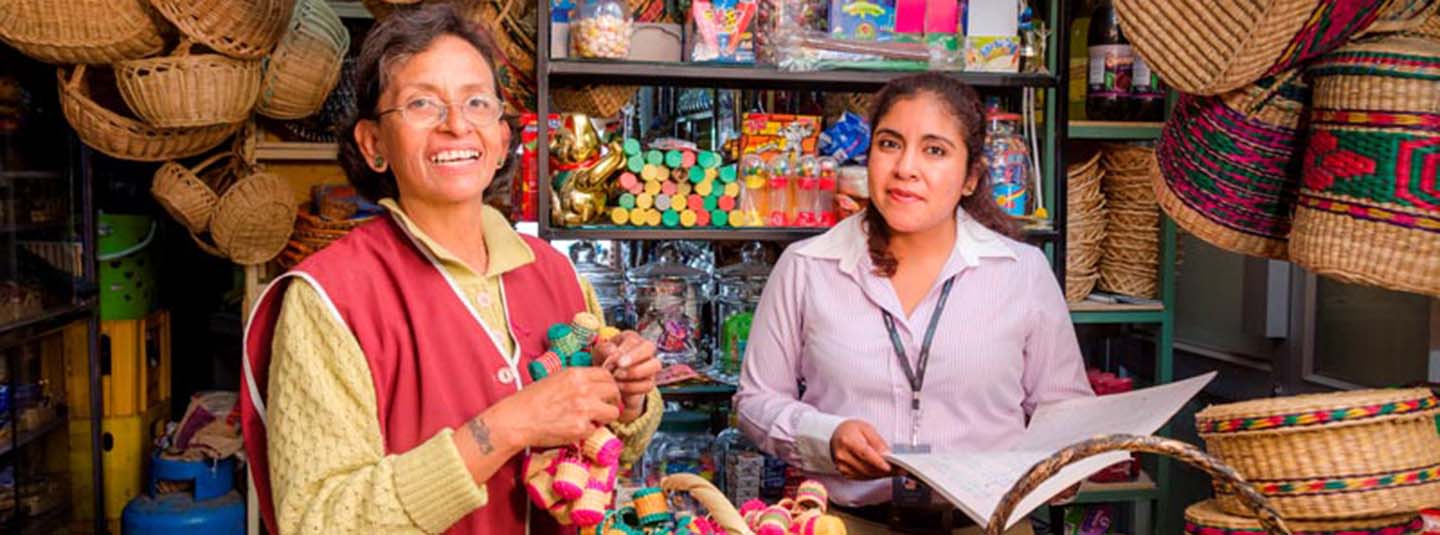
[328, 469]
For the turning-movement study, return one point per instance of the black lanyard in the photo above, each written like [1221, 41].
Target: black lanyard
[916, 375]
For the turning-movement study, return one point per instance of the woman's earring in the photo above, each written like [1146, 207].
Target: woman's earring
[500, 164]
[380, 163]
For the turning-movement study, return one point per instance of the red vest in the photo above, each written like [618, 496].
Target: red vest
[433, 363]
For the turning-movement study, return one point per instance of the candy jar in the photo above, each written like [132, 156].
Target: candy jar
[780, 200]
[825, 194]
[600, 29]
[807, 190]
[1009, 161]
[667, 297]
[738, 289]
[753, 173]
[608, 282]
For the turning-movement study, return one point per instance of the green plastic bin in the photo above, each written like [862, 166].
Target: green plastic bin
[128, 289]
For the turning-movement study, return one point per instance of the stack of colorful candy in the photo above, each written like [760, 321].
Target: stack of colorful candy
[675, 188]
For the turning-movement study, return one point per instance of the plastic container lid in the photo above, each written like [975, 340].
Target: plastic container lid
[685, 422]
[745, 280]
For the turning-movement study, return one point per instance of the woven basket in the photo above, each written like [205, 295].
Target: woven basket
[1228, 165]
[306, 63]
[182, 89]
[1207, 47]
[254, 219]
[1322, 456]
[126, 138]
[1130, 261]
[187, 194]
[1428, 28]
[1206, 518]
[244, 29]
[81, 31]
[322, 126]
[511, 23]
[600, 101]
[1084, 228]
[1402, 16]
[1369, 209]
[313, 233]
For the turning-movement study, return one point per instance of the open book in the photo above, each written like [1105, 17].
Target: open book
[976, 481]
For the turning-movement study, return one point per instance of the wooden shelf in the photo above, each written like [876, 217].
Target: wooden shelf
[610, 232]
[1094, 312]
[38, 175]
[53, 317]
[1143, 488]
[582, 72]
[24, 439]
[296, 151]
[1117, 130]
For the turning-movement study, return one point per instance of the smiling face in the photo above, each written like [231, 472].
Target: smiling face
[449, 163]
[919, 166]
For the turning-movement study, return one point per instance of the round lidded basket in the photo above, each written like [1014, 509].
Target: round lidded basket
[1207, 47]
[595, 101]
[184, 90]
[243, 29]
[305, 64]
[1368, 209]
[254, 219]
[125, 138]
[1339, 455]
[1206, 518]
[81, 31]
[187, 194]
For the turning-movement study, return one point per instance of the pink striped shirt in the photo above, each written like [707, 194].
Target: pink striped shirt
[1004, 345]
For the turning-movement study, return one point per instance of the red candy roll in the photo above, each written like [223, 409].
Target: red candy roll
[726, 203]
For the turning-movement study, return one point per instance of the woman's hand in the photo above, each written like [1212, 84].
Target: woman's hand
[560, 409]
[859, 451]
[631, 360]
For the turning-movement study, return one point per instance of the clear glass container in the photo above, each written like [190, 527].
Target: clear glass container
[779, 185]
[682, 445]
[608, 282]
[600, 29]
[752, 197]
[738, 289]
[667, 296]
[1009, 160]
[807, 192]
[825, 198]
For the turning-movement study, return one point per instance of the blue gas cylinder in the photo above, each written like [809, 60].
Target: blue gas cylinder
[213, 508]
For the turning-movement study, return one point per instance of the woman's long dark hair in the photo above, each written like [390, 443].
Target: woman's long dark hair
[966, 110]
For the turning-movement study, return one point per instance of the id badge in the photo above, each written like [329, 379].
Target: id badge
[907, 491]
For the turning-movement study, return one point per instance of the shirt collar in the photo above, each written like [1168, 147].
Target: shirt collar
[847, 243]
[504, 247]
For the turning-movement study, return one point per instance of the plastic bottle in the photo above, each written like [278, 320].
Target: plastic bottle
[779, 192]
[1079, 58]
[825, 199]
[754, 174]
[807, 191]
[1111, 66]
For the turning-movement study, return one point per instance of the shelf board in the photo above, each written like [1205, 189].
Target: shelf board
[20, 228]
[611, 232]
[54, 316]
[34, 434]
[582, 72]
[708, 389]
[1117, 130]
[296, 150]
[1143, 488]
[1097, 312]
[30, 174]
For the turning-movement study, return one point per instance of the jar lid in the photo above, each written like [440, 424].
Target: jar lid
[668, 264]
[685, 422]
[590, 264]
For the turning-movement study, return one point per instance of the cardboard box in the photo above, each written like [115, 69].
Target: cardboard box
[764, 133]
[657, 41]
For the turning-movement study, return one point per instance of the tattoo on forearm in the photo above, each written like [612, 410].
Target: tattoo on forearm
[481, 433]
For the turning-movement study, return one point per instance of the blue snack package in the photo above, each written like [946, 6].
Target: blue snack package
[847, 139]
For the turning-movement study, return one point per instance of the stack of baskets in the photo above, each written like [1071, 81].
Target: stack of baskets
[1084, 228]
[1363, 462]
[1130, 261]
[313, 233]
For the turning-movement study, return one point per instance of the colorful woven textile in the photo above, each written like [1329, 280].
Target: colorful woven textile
[1349, 484]
[1230, 166]
[1369, 209]
[1319, 417]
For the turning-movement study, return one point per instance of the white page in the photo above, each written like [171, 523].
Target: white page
[976, 481]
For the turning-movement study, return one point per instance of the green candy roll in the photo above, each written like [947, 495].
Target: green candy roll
[670, 218]
[635, 163]
[727, 174]
[710, 202]
[697, 175]
[709, 160]
[672, 159]
[632, 147]
[719, 218]
[627, 200]
[654, 157]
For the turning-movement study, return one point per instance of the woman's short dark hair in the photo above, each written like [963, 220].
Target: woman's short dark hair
[966, 110]
[390, 42]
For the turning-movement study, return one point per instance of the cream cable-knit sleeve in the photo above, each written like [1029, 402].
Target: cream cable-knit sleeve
[328, 469]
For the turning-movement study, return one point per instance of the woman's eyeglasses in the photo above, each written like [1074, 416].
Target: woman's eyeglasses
[427, 112]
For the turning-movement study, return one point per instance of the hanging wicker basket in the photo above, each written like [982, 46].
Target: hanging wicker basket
[254, 219]
[601, 101]
[82, 31]
[306, 63]
[126, 138]
[244, 29]
[190, 194]
[184, 89]
[1325, 456]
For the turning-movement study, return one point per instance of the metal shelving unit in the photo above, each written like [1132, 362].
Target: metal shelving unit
[1113, 130]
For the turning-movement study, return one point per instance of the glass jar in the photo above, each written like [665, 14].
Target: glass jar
[667, 297]
[682, 445]
[1009, 163]
[600, 29]
[608, 282]
[738, 289]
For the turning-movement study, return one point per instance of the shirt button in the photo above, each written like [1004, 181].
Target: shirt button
[483, 298]
[505, 376]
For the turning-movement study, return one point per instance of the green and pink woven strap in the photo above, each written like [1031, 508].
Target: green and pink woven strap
[1322, 417]
[1407, 527]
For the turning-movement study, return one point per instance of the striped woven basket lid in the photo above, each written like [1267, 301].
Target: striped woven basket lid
[1205, 518]
[1314, 410]
[1207, 47]
[1369, 207]
[1229, 164]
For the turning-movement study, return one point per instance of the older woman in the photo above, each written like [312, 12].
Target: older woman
[393, 358]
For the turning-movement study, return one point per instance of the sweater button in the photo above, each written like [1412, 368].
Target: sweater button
[505, 376]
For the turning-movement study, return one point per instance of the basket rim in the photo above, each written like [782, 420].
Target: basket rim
[1311, 410]
[1206, 518]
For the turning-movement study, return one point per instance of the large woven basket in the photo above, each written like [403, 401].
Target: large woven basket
[126, 138]
[1206, 518]
[81, 31]
[306, 63]
[1402, 16]
[185, 89]
[245, 29]
[254, 219]
[511, 24]
[190, 194]
[1208, 47]
[1325, 456]
[313, 233]
[1369, 207]
[601, 101]
[1229, 165]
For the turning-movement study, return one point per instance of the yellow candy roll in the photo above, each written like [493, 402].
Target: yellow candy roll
[683, 189]
[705, 188]
[654, 218]
[646, 200]
[732, 189]
[687, 218]
[619, 216]
[712, 173]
